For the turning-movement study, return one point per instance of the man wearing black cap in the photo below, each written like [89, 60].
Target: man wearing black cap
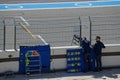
[98, 53]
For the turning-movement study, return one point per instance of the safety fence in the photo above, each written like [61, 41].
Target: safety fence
[24, 36]
[58, 32]
[108, 27]
[2, 35]
[54, 31]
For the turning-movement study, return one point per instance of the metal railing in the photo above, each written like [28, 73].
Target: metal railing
[54, 31]
[108, 27]
[58, 32]
[2, 35]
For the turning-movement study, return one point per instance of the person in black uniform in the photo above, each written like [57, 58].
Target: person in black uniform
[86, 47]
[98, 53]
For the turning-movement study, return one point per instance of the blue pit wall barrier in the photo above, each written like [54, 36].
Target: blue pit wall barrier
[76, 60]
[37, 59]
[34, 57]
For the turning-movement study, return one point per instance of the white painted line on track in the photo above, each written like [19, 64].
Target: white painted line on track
[40, 37]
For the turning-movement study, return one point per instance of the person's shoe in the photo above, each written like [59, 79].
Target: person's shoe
[100, 69]
[97, 70]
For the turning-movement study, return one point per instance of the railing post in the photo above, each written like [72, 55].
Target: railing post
[4, 35]
[80, 31]
[90, 29]
[15, 35]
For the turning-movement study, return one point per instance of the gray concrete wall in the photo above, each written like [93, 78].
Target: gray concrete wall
[58, 64]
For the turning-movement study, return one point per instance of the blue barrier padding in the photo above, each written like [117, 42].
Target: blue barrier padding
[92, 57]
[75, 60]
[45, 57]
[23, 51]
[42, 60]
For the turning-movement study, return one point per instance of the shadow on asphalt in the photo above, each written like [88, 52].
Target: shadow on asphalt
[109, 73]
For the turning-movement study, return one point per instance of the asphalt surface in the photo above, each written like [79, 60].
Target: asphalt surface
[30, 15]
[110, 74]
